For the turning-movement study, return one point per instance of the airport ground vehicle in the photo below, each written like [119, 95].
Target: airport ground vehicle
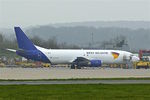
[32, 64]
[25, 64]
[2, 64]
[144, 54]
[144, 62]
[46, 65]
[124, 66]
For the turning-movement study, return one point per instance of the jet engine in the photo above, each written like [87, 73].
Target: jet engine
[95, 63]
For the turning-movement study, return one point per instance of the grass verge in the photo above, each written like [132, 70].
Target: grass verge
[75, 92]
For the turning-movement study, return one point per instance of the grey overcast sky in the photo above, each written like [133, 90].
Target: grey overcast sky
[40, 12]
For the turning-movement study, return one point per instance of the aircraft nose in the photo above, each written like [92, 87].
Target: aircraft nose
[135, 58]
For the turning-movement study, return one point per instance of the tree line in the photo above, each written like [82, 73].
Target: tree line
[50, 43]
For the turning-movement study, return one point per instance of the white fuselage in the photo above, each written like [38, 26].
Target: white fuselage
[67, 56]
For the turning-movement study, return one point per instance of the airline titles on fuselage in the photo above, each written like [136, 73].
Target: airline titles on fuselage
[97, 52]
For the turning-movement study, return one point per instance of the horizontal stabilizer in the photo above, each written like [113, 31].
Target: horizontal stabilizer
[12, 50]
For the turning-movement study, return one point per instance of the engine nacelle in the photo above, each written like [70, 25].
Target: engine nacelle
[95, 63]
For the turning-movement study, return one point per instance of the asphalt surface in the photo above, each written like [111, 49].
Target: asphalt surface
[66, 73]
[75, 82]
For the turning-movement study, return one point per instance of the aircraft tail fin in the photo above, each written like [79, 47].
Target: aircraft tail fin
[23, 41]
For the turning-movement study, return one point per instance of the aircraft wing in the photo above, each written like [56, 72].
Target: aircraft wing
[81, 59]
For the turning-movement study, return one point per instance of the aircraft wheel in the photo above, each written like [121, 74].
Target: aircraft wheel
[72, 66]
[78, 67]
